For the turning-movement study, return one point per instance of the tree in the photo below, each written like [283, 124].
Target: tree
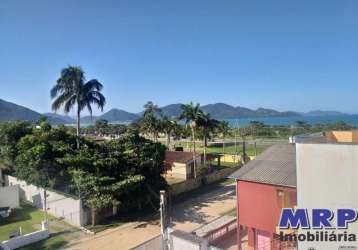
[101, 126]
[71, 90]
[99, 192]
[168, 126]
[150, 122]
[191, 114]
[224, 129]
[208, 125]
[10, 134]
[38, 161]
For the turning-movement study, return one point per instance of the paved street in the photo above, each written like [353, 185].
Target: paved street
[187, 216]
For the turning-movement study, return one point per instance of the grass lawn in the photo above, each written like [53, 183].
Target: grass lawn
[229, 149]
[26, 217]
[29, 219]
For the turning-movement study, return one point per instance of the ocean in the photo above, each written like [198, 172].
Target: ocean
[243, 122]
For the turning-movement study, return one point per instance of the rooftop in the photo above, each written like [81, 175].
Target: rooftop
[275, 166]
[332, 137]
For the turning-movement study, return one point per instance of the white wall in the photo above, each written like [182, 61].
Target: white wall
[327, 177]
[59, 205]
[9, 196]
[24, 240]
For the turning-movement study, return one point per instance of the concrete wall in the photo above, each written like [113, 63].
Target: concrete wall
[9, 196]
[343, 136]
[152, 244]
[180, 171]
[26, 239]
[327, 177]
[59, 205]
[191, 184]
[260, 205]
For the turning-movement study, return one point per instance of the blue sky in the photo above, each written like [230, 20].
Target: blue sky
[286, 55]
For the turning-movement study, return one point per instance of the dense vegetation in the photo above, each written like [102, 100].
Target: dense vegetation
[123, 173]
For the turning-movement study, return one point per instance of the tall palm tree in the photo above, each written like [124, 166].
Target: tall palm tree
[72, 90]
[151, 109]
[191, 114]
[208, 125]
[150, 120]
[168, 126]
[224, 130]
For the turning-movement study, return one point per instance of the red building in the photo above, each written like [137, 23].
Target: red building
[264, 186]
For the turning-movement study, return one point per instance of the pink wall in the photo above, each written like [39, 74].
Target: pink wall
[260, 205]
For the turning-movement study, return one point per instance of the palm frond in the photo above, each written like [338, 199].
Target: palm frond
[92, 85]
[69, 104]
[60, 100]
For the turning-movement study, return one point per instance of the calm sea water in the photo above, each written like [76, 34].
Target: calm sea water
[243, 122]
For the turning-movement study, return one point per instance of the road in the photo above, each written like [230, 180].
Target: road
[186, 216]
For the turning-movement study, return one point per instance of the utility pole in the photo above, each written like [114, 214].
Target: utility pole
[163, 219]
[236, 130]
[45, 204]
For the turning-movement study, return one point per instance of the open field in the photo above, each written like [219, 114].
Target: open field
[229, 148]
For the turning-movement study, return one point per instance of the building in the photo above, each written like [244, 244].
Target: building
[327, 174]
[265, 186]
[180, 165]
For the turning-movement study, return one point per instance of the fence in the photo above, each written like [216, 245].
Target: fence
[26, 239]
[220, 232]
[60, 205]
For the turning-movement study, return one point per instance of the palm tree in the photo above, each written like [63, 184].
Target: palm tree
[150, 122]
[224, 130]
[168, 126]
[71, 90]
[191, 114]
[151, 109]
[208, 125]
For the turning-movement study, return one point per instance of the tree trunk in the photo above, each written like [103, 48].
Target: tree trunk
[244, 151]
[194, 151]
[224, 144]
[205, 144]
[168, 140]
[45, 204]
[94, 216]
[78, 127]
[114, 210]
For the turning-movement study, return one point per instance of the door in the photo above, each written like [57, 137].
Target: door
[263, 240]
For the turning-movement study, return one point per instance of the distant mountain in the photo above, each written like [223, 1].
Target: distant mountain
[89, 119]
[60, 118]
[118, 115]
[112, 116]
[225, 111]
[11, 112]
[323, 113]
[172, 110]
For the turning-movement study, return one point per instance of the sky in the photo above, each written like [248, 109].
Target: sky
[286, 55]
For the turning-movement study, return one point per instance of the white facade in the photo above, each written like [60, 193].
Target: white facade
[327, 177]
[58, 205]
[9, 196]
